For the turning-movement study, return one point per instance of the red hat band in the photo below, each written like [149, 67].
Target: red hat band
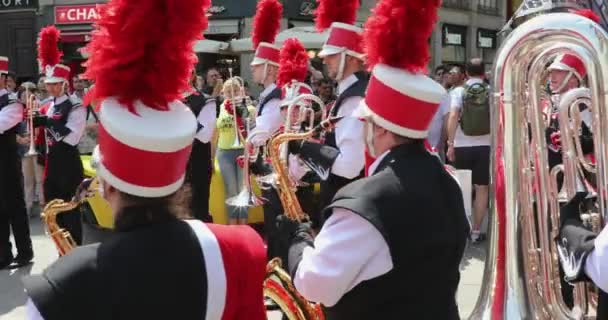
[345, 38]
[3, 65]
[269, 53]
[575, 64]
[58, 71]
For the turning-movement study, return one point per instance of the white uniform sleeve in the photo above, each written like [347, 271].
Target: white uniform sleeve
[596, 266]
[350, 141]
[347, 251]
[77, 120]
[31, 312]
[456, 98]
[207, 119]
[268, 122]
[10, 116]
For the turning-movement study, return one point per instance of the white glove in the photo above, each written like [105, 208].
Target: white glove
[258, 138]
[297, 169]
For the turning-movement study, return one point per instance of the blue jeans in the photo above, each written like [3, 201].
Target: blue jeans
[232, 175]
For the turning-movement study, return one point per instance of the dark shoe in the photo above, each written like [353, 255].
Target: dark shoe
[24, 258]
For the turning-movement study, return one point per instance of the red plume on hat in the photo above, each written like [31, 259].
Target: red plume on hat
[293, 62]
[48, 51]
[267, 22]
[410, 24]
[142, 50]
[330, 11]
[587, 13]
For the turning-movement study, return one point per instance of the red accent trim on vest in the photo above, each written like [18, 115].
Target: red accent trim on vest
[344, 38]
[3, 65]
[140, 167]
[245, 267]
[61, 73]
[398, 108]
[575, 63]
[268, 53]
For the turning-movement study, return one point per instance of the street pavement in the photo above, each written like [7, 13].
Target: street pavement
[13, 298]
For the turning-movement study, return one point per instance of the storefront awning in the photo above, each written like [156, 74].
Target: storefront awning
[210, 46]
[310, 38]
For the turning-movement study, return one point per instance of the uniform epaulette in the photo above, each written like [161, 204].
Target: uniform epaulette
[12, 98]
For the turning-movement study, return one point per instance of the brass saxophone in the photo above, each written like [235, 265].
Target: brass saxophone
[62, 238]
[278, 285]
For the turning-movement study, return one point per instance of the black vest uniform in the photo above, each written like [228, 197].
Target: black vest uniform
[64, 171]
[200, 165]
[13, 213]
[151, 270]
[418, 208]
[325, 157]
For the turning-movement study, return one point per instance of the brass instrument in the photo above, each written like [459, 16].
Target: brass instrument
[246, 197]
[278, 285]
[62, 238]
[521, 278]
[32, 107]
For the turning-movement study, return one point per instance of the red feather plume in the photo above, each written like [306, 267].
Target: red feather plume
[330, 11]
[398, 32]
[48, 51]
[293, 62]
[143, 50]
[267, 22]
[587, 13]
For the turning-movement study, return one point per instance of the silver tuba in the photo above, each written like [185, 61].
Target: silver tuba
[521, 279]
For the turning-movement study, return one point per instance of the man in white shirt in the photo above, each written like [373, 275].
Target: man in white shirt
[471, 152]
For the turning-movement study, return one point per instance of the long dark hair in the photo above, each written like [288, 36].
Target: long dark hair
[141, 211]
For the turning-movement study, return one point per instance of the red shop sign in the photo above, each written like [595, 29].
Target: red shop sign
[76, 14]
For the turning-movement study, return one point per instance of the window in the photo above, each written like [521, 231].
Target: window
[488, 6]
[454, 40]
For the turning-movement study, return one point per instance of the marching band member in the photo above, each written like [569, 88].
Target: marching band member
[371, 259]
[200, 166]
[342, 155]
[13, 212]
[155, 266]
[64, 123]
[264, 68]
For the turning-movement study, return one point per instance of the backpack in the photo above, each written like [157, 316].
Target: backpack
[475, 114]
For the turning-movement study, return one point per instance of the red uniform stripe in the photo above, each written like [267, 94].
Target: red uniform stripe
[268, 53]
[345, 38]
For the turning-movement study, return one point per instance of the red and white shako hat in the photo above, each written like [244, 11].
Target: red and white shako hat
[344, 37]
[400, 97]
[266, 26]
[49, 56]
[145, 132]
[3, 64]
[571, 63]
[292, 72]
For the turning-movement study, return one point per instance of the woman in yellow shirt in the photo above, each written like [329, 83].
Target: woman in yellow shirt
[227, 151]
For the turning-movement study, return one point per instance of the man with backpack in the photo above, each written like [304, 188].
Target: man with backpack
[469, 137]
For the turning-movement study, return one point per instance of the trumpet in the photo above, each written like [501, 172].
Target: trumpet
[32, 107]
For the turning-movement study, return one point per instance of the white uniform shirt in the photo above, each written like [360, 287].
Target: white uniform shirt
[349, 135]
[11, 115]
[207, 118]
[347, 251]
[269, 121]
[460, 139]
[596, 266]
[436, 126]
[77, 119]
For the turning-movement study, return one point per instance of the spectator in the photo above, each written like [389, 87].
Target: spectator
[469, 135]
[80, 86]
[199, 83]
[325, 91]
[441, 75]
[438, 127]
[456, 77]
[11, 82]
[227, 151]
[213, 80]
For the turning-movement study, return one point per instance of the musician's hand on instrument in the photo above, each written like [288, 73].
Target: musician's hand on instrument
[289, 229]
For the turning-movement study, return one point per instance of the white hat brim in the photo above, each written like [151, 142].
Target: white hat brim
[362, 111]
[51, 80]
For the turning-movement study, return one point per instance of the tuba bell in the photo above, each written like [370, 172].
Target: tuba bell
[521, 278]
